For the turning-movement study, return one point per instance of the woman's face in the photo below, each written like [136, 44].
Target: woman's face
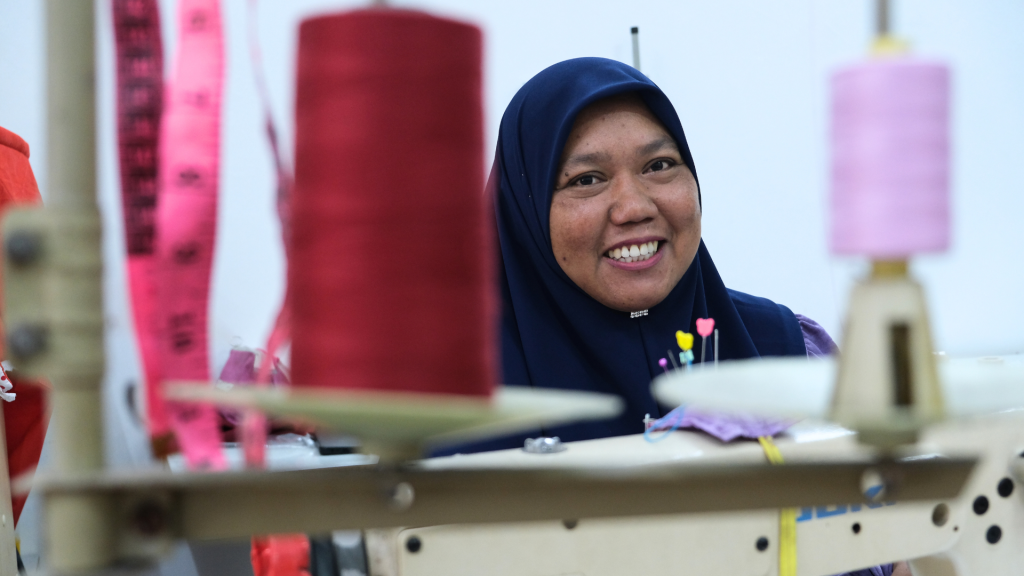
[625, 219]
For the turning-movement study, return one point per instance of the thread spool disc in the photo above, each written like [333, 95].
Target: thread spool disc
[799, 388]
[399, 423]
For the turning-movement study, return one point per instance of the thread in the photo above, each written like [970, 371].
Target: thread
[890, 158]
[669, 422]
[140, 69]
[391, 242]
[255, 426]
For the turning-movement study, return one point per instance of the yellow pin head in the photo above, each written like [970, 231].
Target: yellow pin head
[684, 339]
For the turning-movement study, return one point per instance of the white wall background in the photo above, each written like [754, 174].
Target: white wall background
[749, 80]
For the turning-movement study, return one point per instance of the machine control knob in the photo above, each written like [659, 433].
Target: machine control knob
[24, 247]
[27, 340]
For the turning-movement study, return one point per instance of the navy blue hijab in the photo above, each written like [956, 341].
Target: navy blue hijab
[553, 334]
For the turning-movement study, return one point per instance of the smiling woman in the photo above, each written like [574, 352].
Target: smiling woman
[599, 223]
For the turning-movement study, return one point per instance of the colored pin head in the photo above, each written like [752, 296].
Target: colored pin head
[684, 339]
[705, 326]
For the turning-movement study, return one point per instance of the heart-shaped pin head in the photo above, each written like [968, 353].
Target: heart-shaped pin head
[684, 339]
[705, 326]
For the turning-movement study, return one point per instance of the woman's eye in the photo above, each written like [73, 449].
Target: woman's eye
[587, 180]
[660, 165]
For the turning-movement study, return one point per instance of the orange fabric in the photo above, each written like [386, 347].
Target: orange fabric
[26, 418]
[280, 555]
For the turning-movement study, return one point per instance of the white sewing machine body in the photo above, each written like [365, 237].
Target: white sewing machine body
[942, 538]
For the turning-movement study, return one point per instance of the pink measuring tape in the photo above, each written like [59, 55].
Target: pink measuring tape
[186, 222]
[140, 69]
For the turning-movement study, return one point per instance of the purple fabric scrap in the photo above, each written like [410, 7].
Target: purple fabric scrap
[725, 427]
[240, 367]
[816, 339]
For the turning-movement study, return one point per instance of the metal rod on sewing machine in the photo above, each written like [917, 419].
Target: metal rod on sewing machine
[69, 346]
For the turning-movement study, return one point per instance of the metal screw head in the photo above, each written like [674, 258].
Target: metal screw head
[875, 485]
[24, 247]
[543, 445]
[401, 496]
[27, 340]
[761, 544]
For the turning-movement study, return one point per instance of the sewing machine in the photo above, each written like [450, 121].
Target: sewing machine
[941, 493]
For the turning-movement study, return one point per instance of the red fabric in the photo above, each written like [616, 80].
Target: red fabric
[390, 265]
[25, 422]
[281, 555]
[26, 418]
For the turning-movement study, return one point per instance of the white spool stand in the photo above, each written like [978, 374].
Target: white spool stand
[888, 385]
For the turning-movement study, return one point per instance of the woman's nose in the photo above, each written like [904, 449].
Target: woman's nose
[631, 202]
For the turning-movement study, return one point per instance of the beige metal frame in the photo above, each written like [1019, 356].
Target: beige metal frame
[945, 537]
[8, 562]
[54, 309]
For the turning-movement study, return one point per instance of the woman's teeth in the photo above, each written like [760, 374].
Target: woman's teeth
[634, 253]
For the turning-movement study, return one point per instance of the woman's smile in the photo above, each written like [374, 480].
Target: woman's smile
[635, 255]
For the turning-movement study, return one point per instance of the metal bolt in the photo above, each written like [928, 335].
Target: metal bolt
[543, 445]
[149, 518]
[24, 247]
[402, 496]
[761, 544]
[27, 340]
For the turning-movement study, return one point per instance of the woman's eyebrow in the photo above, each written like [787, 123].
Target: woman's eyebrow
[655, 145]
[590, 158]
[599, 157]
